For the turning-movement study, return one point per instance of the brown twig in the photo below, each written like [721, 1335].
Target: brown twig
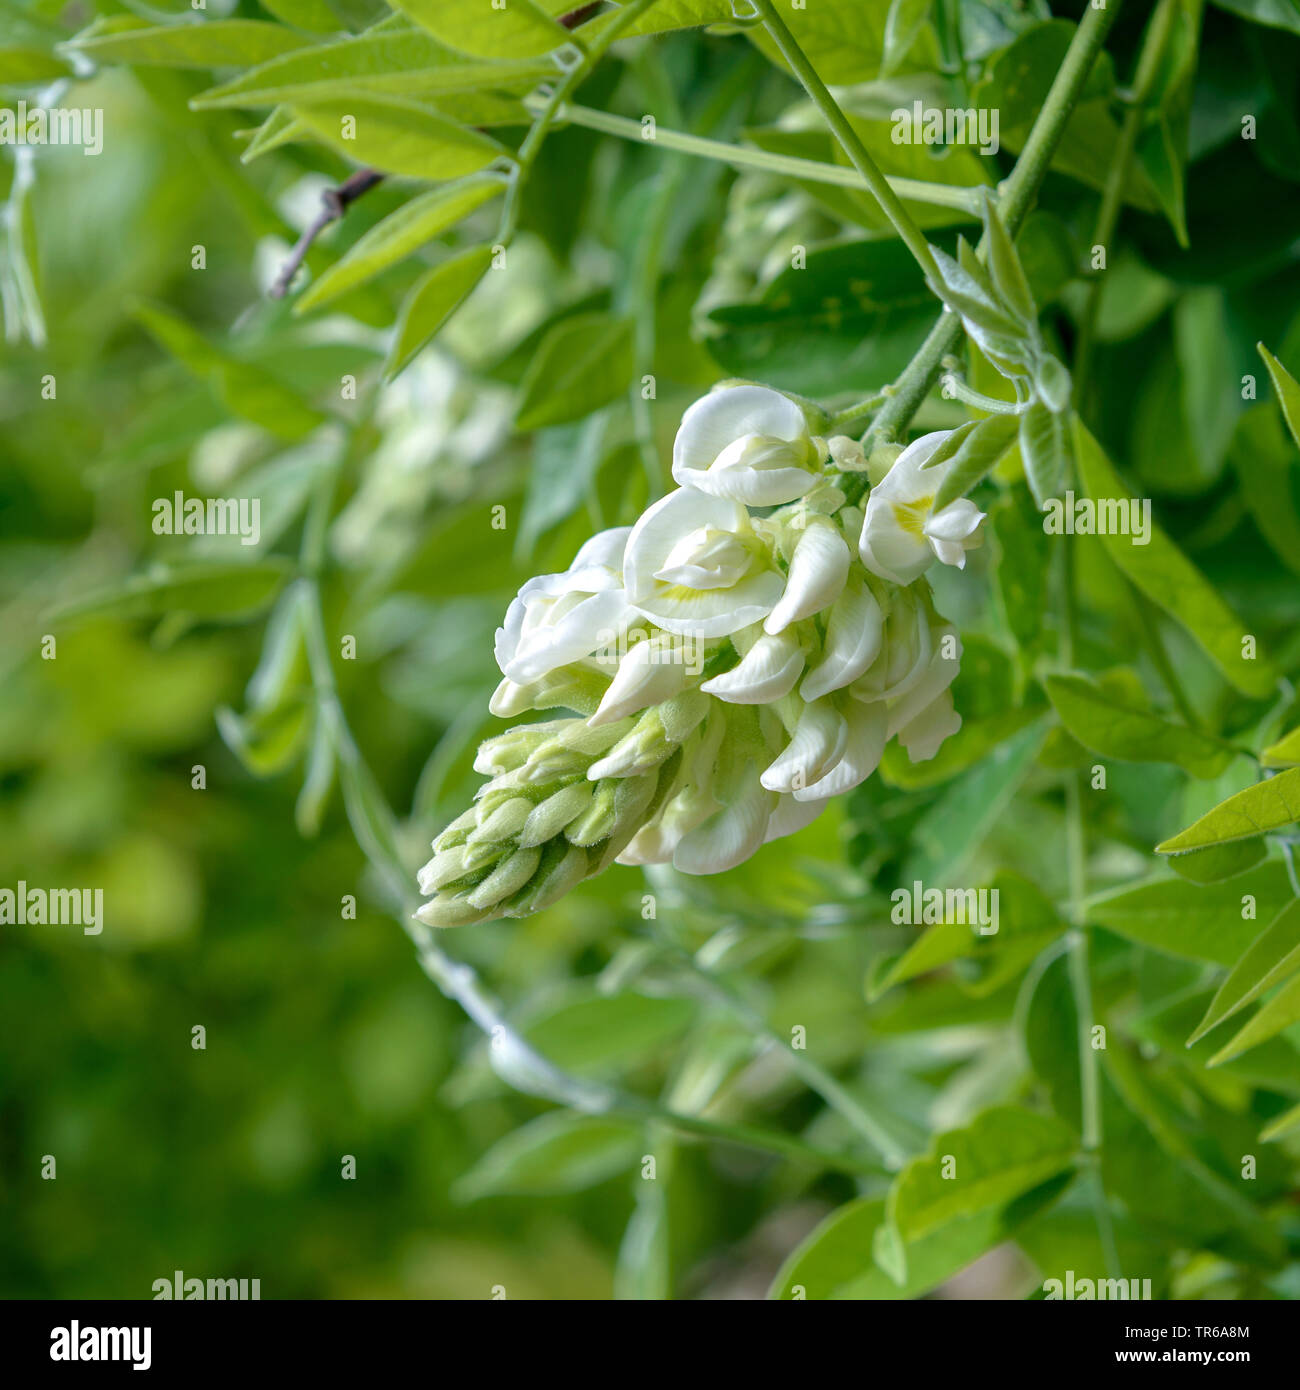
[334, 203]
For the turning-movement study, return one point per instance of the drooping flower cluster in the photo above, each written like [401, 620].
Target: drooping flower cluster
[739, 656]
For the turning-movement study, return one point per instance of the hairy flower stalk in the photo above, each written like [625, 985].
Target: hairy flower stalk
[734, 660]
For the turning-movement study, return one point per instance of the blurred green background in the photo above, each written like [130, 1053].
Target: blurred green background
[323, 1038]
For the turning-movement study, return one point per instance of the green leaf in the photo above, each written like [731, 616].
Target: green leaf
[215, 591]
[1024, 916]
[520, 29]
[981, 443]
[589, 1033]
[565, 460]
[1050, 1022]
[1045, 447]
[843, 39]
[992, 323]
[399, 234]
[1208, 383]
[313, 15]
[1116, 727]
[314, 795]
[1270, 959]
[20, 64]
[1268, 805]
[1280, 1012]
[1162, 144]
[1001, 1154]
[902, 24]
[400, 136]
[1004, 265]
[265, 743]
[1218, 862]
[955, 826]
[856, 312]
[434, 298]
[1021, 572]
[1213, 922]
[1276, 14]
[211, 43]
[1170, 580]
[1265, 464]
[1282, 1125]
[382, 60]
[1287, 388]
[583, 363]
[247, 391]
[1284, 753]
[1016, 84]
[555, 1153]
[834, 1261]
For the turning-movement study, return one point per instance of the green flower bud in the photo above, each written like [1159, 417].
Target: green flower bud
[596, 822]
[549, 817]
[504, 822]
[508, 877]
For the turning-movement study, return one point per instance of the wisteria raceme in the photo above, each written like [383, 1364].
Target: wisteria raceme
[734, 660]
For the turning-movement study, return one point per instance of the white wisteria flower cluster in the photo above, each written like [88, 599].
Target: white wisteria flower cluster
[735, 659]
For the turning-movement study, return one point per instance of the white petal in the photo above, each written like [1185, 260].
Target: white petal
[890, 549]
[893, 544]
[650, 673]
[657, 842]
[853, 636]
[729, 836]
[605, 549]
[767, 671]
[939, 675]
[510, 699]
[907, 648]
[535, 640]
[957, 522]
[719, 421]
[862, 752]
[909, 479]
[818, 569]
[715, 612]
[928, 729]
[815, 747]
[791, 816]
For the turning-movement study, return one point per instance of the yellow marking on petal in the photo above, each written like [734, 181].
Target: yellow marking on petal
[912, 516]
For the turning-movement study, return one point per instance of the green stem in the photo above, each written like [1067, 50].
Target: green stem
[1017, 195]
[851, 143]
[547, 110]
[1112, 199]
[837, 1096]
[742, 157]
[515, 1059]
[857, 411]
[958, 389]
[1076, 856]
[1160, 657]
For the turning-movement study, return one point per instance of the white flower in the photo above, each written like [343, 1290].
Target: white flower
[833, 749]
[561, 618]
[901, 534]
[743, 807]
[818, 569]
[766, 672]
[695, 566]
[747, 443]
[653, 671]
[853, 636]
[906, 646]
[924, 716]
